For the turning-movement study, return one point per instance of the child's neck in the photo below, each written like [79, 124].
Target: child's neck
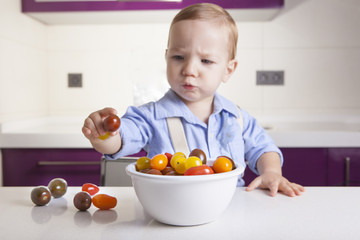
[202, 109]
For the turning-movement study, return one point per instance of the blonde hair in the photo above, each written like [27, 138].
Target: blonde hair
[208, 11]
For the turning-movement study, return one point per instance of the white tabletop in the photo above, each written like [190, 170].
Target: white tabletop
[320, 213]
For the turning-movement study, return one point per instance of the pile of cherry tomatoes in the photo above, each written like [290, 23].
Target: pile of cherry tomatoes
[179, 164]
[57, 188]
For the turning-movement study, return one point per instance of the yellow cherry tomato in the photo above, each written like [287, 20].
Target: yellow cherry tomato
[192, 162]
[180, 165]
[143, 163]
[175, 157]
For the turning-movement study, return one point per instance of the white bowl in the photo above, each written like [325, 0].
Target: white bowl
[184, 200]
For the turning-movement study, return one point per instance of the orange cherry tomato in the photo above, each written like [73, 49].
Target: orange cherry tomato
[90, 188]
[222, 164]
[159, 162]
[104, 201]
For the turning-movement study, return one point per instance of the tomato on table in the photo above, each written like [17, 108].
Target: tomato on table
[90, 188]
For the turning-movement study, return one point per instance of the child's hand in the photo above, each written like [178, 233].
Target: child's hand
[276, 183]
[93, 129]
[93, 125]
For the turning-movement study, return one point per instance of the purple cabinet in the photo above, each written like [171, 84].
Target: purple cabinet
[344, 167]
[64, 6]
[32, 167]
[305, 166]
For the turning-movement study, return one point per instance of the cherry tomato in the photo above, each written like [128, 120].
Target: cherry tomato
[192, 162]
[154, 171]
[90, 188]
[40, 195]
[104, 201]
[180, 165]
[175, 157]
[159, 162]
[112, 123]
[82, 201]
[143, 163]
[232, 162]
[169, 156]
[167, 169]
[57, 187]
[199, 170]
[200, 154]
[222, 164]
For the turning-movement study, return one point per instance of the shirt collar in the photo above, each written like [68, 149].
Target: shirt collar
[170, 105]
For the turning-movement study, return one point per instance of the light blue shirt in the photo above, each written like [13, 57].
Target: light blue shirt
[145, 127]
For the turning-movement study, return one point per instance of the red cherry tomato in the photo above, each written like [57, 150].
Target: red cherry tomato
[199, 170]
[169, 156]
[104, 201]
[90, 188]
[112, 123]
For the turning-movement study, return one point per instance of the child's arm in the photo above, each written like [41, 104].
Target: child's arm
[271, 177]
[93, 128]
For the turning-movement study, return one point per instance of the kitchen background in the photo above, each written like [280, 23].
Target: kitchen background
[316, 43]
[314, 117]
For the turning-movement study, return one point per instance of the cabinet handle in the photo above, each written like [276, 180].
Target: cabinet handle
[347, 171]
[66, 163]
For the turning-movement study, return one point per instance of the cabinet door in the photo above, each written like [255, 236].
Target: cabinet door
[305, 166]
[32, 167]
[344, 167]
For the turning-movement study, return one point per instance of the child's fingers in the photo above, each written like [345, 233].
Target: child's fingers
[254, 184]
[274, 187]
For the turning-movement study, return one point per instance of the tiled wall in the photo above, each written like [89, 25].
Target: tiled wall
[316, 43]
[23, 82]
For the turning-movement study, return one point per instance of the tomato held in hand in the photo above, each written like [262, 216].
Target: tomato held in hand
[90, 188]
[199, 170]
[159, 162]
[112, 123]
[104, 201]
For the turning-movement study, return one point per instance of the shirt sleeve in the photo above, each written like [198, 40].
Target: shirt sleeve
[256, 141]
[135, 131]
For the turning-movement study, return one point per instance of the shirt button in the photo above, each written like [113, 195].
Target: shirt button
[211, 135]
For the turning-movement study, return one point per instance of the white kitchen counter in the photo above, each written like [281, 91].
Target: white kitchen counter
[65, 132]
[320, 213]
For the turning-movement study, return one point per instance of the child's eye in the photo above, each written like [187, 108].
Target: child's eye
[206, 61]
[178, 57]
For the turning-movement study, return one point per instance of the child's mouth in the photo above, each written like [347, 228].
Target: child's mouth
[188, 87]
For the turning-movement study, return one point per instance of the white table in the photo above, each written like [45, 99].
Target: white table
[320, 213]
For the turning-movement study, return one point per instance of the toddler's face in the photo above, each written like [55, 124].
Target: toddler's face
[198, 59]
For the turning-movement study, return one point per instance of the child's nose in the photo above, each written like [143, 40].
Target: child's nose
[190, 68]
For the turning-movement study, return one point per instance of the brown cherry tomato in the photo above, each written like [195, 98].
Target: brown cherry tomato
[112, 123]
[104, 201]
[82, 201]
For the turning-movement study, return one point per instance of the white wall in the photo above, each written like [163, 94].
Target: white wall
[316, 43]
[23, 82]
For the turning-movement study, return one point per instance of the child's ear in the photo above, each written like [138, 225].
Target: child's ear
[230, 69]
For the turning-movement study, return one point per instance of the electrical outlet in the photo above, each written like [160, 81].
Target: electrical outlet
[270, 78]
[75, 80]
